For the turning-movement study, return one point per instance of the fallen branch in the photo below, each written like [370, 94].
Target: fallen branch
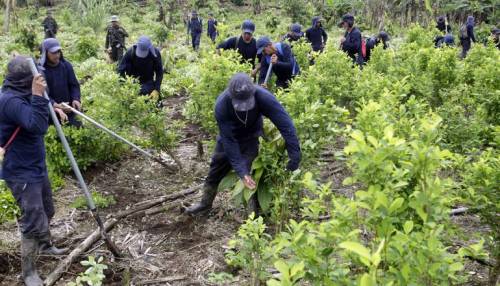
[458, 211]
[110, 223]
[161, 280]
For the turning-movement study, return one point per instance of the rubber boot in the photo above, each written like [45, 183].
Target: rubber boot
[253, 205]
[206, 202]
[29, 250]
[47, 248]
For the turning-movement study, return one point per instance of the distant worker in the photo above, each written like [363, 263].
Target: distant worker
[495, 34]
[351, 42]
[196, 28]
[212, 27]
[115, 39]
[280, 55]
[316, 35]
[295, 34]
[442, 25]
[467, 36]
[445, 29]
[23, 107]
[63, 86]
[50, 25]
[239, 112]
[245, 44]
[143, 62]
[372, 42]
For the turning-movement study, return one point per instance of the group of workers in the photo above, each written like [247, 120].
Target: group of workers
[239, 111]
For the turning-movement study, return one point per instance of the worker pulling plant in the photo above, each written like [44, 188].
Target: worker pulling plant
[24, 169]
[239, 112]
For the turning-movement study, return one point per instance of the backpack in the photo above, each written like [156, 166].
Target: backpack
[196, 25]
[463, 32]
[295, 66]
[236, 43]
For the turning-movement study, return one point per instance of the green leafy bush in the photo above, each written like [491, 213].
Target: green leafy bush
[101, 201]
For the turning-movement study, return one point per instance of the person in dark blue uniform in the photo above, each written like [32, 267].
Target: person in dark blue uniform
[196, 28]
[212, 27]
[467, 36]
[239, 112]
[316, 35]
[351, 42]
[372, 42]
[294, 35]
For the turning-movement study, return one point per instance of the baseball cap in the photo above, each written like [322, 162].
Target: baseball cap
[262, 42]
[248, 27]
[114, 18]
[242, 92]
[347, 18]
[143, 46]
[51, 45]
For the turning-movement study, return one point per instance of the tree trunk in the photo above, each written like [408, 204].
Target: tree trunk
[6, 21]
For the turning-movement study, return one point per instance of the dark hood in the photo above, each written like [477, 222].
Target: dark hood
[315, 21]
[19, 77]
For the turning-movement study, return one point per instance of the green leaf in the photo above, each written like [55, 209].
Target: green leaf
[396, 204]
[457, 266]
[408, 226]
[358, 136]
[366, 280]
[264, 196]
[356, 248]
[228, 182]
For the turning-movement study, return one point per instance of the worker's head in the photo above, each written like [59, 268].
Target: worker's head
[19, 75]
[296, 29]
[144, 46]
[242, 92]
[317, 22]
[194, 14]
[247, 30]
[265, 46]
[441, 19]
[347, 22]
[51, 52]
[210, 15]
[115, 21]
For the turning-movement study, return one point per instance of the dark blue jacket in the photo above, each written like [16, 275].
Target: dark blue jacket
[316, 36]
[61, 82]
[248, 51]
[195, 26]
[212, 27]
[286, 67]
[232, 131]
[352, 45]
[24, 161]
[148, 70]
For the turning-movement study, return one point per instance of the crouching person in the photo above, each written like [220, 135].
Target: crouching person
[22, 105]
[239, 112]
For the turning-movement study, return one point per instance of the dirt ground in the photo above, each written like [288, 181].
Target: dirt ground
[167, 248]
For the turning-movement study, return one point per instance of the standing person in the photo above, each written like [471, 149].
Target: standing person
[372, 42]
[351, 42]
[115, 39]
[50, 25]
[467, 36]
[63, 87]
[294, 35]
[316, 35]
[212, 27]
[24, 170]
[143, 61]
[196, 29]
[239, 111]
[282, 59]
[495, 34]
[245, 44]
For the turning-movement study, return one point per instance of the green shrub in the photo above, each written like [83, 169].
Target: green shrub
[101, 201]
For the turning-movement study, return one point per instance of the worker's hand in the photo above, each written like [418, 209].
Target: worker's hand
[254, 72]
[342, 40]
[62, 115]
[76, 105]
[38, 86]
[2, 152]
[62, 107]
[108, 50]
[249, 182]
[274, 59]
[264, 85]
[155, 95]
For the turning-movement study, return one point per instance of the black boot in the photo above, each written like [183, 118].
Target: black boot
[205, 204]
[253, 205]
[47, 248]
[29, 250]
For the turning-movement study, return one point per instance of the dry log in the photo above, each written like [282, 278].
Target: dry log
[458, 211]
[110, 223]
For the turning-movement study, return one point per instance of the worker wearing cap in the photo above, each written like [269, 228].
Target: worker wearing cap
[239, 112]
[115, 39]
[212, 27]
[372, 42]
[24, 170]
[50, 25]
[351, 42]
[316, 35]
[63, 86]
[295, 34]
[195, 26]
[245, 44]
[143, 61]
[280, 55]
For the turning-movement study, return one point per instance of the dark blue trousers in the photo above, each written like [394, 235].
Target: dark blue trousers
[195, 38]
[220, 165]
[37, 207]
[213, 36]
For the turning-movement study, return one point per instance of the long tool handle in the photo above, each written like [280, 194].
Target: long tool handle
[268, 74]
[76, 170]
[107, 130]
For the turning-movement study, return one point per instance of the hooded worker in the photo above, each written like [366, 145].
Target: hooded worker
[23, 108]
[467, 36]
[63, 86]
[316, 35]
[143, 62]
[50, 25]
[239, 111]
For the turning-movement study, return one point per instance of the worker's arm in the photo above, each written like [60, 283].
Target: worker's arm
[325, 36]
[229, 44]
[125, 64]
[158, 66]
[285, 64]
[74, 85]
